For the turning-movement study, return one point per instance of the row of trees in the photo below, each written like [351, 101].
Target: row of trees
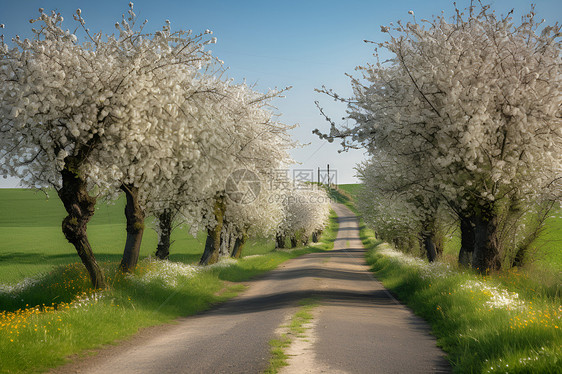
[145, 114]
[464, 121]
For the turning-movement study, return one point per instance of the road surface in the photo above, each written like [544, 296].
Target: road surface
[358, 326]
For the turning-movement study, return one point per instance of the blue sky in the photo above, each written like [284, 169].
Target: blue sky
[304, 44]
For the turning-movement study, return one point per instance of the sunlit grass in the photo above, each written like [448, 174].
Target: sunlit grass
[486, 324]
[507, 322]
[54, 315]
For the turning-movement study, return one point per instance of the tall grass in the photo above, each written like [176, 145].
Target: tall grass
[47, 318]
[484, 326]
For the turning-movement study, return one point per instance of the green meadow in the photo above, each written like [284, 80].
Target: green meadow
[55, 314]
[31, 240]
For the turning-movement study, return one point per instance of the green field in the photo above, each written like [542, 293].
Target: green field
[351, 189]
[31, 240]
[60, 308]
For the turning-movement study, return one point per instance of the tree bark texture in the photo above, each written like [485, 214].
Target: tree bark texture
[431, 243]
[228, 240]
[213, 243]
[135, 228]
[486, 243]
[164, 241]
[80, 207]
[280, 240]
[429, 246]
[294, 241]
[467, 242]
[239, 246]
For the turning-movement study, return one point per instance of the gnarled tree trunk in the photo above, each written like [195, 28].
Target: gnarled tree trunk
[430, 240]
[239, 245]
[80, 207]
[165, 223]
[280, 240]
[467, 242]
[228, 240]
[429, 246]
[135, 228]
[316, 236]
[486, 243]
[213, 243]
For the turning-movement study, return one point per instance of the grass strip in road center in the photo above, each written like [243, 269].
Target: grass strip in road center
[296, 328]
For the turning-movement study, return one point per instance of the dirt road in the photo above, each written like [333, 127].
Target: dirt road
[358, 326]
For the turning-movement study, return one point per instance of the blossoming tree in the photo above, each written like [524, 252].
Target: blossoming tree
[74, 114]
[306, 211]
[256, 143]
[395, 202]
[475, 100]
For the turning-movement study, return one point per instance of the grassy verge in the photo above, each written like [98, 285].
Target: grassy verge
[48, 318]
[508, 322]
[343, 196]
[295, 328]
[486, 324]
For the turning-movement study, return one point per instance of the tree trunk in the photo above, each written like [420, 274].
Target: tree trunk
[228, 240]
[294, 241]
[80, 207]
[429, 246]
[486, 244]
[280, 240]
[239, 245]
[165, 223]
[135, 228]
[316, 235]
[213, 243]
[467, 242]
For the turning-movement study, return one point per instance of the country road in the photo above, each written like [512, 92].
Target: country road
[358, 326]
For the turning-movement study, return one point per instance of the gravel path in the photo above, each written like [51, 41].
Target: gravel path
[357, 328]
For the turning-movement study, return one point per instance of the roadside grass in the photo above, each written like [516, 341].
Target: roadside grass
[484, 326]
[343, 195]
[295, 329]
[351, 189]
[31, 240]
[55, 315]
[506, 322]
[550, 242]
